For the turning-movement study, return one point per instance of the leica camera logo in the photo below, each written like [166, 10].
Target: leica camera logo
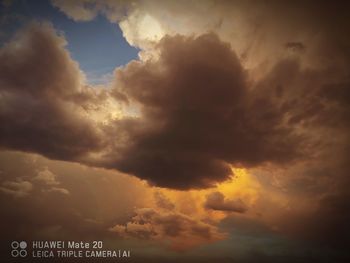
[19, 249]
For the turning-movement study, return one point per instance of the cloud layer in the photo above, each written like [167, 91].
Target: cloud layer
[262, 85]
[182, 231]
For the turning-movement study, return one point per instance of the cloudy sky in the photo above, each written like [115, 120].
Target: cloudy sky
[187, 131]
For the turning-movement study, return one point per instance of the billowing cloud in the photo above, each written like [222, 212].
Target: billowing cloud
[217, 201]
[199, 109]
[199, 113]
[43, 98]
[198, 116]
[46, 177]
[48, 180]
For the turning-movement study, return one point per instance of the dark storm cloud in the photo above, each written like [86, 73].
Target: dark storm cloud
[313, 99]
[42, 97]
[317, 101]
[199, 110]
[198, 117]
[217, 201]
[326, 224]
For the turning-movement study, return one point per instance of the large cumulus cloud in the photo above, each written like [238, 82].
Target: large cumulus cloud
[198, 116]
[43, 98]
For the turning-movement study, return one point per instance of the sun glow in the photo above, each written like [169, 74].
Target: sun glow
[242, 185]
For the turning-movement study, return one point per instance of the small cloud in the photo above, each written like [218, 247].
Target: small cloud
[49, 180]
[59, 190]
[99, 79]
[295, 46]
[17, 188]
[76, 10]
[46, 177]
[217, 201]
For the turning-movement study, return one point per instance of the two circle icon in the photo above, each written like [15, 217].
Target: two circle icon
[19, 249]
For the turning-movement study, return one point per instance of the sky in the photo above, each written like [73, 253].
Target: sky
[97, 45]
[184, 131]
